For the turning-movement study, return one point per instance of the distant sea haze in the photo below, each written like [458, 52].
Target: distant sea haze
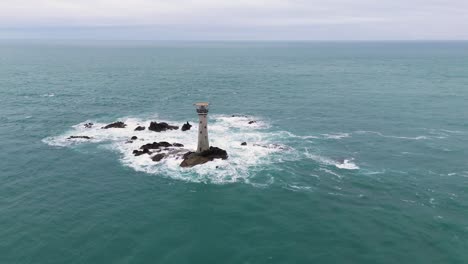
[357, 153]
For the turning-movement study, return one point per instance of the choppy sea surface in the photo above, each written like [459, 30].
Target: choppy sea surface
[359, 152]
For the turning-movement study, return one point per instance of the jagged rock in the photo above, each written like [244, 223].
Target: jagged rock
[191, 158]
[141, 152]
[134, 138]
[186, 126]
[139, 128]
[153, 145]
[159, 127]
[251, 122]
[79, 137]
[165, 144]
[158, 157]
[244, 144]
[178, 145]
[88, 125]
[118, 124]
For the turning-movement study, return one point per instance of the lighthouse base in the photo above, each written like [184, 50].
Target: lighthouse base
[195, 158]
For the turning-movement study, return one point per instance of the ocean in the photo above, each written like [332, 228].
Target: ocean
[358, 152]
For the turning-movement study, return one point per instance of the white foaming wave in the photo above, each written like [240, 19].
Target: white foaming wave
[346, 164]
[261, 149]
[241, 121]
[296, 188]
[336, 135]
[390, 136]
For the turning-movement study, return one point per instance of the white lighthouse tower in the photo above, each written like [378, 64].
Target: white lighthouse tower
[202, 110]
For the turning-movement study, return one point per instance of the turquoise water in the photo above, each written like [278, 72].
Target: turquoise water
[360, 156]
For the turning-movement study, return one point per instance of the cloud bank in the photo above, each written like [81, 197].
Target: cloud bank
[235, 20]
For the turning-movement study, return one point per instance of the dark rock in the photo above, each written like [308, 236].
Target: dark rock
[134, 138]
[178, 145]
[139, 128]
[244, 144]
[251, 122]
[141, 152]
[129, 141]
[239, 116]
[165, 144]
[118, 124]
[187, 154]
[79, 137]
[158, 157]
[159, 127]
[215, 153]
[88, 125]
[153, 145]
[191, 158]
[186, 126]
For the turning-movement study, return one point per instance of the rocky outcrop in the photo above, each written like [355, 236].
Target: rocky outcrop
[158, 157]
[244, 144]
[159, 127]
[178, 145]
[79, 137]
[252, 122]
[156, 145]
[165, 144]
[186, 126]
[153, 145]
[134, 138]
[88, 125]
[139, 128]
[141, 152]
[118, 124]
[191, 158]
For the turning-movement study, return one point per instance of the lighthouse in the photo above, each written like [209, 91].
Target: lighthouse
[202, 110]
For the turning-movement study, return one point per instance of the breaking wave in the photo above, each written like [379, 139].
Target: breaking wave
[226, 132]
[265, 149]
[346, 164]
[397, 137]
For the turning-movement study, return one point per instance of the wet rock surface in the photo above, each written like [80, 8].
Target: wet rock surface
[134, 138]
[140, 128]
[141, 152]
[186, 126]
[192, 158]
[244, 144]
[158, 157]
[79, 137]
[88, 125]
[117, 124]
[160, 127]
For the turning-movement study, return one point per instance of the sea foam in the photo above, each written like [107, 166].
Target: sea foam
[227, 132]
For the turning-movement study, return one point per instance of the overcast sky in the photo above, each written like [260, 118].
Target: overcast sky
[236, 19]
